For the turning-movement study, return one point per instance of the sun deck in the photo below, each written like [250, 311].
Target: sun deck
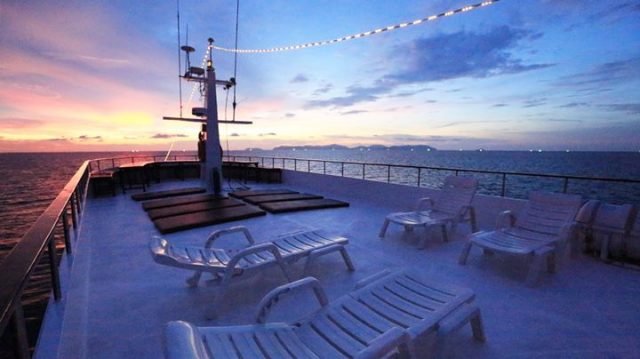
[117, 300]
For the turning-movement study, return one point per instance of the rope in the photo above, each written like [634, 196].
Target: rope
[235, 60]
[359, 35]
[179, 55]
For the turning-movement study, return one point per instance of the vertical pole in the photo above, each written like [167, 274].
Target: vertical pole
[504, 183]
[295, 164]
[308, 165]
[419, 175]
[213, 164]
[363, 166]
[55, 276]
[342, 169]
[388, 174]
[21, 332]
[566, 185]
[65, 228]
[324, 167]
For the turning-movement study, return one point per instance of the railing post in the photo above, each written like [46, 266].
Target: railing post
[273, 162]
[65, 228]
[295, 164]
[308, 165]
[55, 276]
[363, 167]
[504, 184]
[113, 163]
[74, 214]
[566, 185]
[419, 175]
[388, 174]
[324, 167]
[341, 169]
[261, 161]
[21, 332]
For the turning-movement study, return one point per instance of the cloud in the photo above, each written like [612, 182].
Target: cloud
[323, 89]
[355, 94]
[353, 112]
[534, 102]
[500, 105]
[234, 134]
[89, 138]
[289, 115]
[267, 134]
[604, 74]
[168, 135]
[16, 122]
[574, 104]
[476, 55]
[631, 108]
[299, 78]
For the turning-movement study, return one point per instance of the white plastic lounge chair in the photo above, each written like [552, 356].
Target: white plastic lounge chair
[610, 227]
[543, 229]
[374, 321]
[226, 264]
[450, 207]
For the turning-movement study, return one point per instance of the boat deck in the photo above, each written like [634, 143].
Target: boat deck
[117, 300]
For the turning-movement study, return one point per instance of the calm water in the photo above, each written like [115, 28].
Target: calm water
[30, 181]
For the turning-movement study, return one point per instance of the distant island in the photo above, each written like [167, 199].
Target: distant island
[360, 148]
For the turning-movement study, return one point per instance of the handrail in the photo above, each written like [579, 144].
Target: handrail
[264, 160]
[17, 267]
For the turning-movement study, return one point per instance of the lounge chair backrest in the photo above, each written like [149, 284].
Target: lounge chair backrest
[457, 192]
[548, 212]
[613, 218]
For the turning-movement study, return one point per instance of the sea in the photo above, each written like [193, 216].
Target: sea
[30, 181]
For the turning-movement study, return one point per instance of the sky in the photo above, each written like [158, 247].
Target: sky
[516, 75]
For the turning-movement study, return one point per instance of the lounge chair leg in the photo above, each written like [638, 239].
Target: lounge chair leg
[465, 253]
[535, 267]
[192, 281]
[604, 248]
[477, 328]
[347, 259]
[443, 227]
[472, 220]
[383, 230]
[326, 250]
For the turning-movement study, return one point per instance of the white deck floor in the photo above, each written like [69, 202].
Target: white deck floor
[117, 300]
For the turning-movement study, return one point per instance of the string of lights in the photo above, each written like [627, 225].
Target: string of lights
[196, 85]
[362, 34]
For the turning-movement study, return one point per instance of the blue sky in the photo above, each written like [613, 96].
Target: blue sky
[516, 75]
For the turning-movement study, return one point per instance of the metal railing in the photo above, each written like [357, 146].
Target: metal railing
[64, 214]
[500, 183]
[17, 267]
[66, 210]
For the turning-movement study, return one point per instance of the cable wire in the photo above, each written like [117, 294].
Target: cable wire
[359, 35]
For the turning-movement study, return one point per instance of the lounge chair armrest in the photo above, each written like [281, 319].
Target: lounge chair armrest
[371, 279]
[273, 297]
[385, 344]
[505, 219]
[182, 340]
[420, 205]
[263, 247]
[235, 229]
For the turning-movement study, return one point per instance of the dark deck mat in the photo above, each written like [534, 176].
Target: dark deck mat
[193, 207]
[303, 205]
[249, 193]
[280, 197]
[164, 194]
[177, 201]
[206, 218]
